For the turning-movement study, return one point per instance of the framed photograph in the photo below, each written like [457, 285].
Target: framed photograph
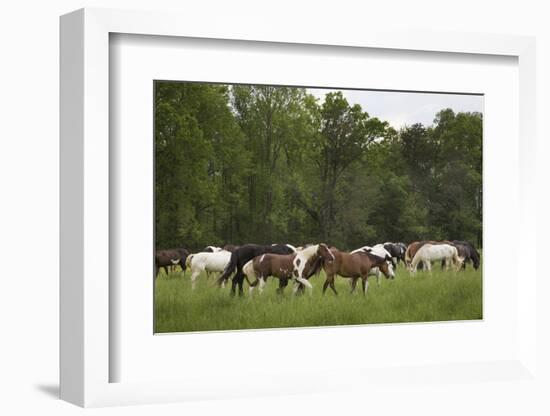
[237, 212]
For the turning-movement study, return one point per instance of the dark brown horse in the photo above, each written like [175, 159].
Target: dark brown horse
[169, 258]
[354, 266]
[299, 266]
[243, 255]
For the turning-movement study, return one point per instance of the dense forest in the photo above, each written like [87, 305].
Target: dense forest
[260, 164]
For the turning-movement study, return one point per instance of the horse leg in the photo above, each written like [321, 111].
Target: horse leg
[295, 288]
[333, 287]
[328, 280]
[365, 282]
[325, 285]
[262, 285]
[282, 284]
[240, 280]
[194, 276]
[353, 283]
[233, 285]
[156, 271]
[428, 265]
[165, 269]
[306, 283]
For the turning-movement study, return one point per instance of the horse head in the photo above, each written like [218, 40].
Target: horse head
[383, 263]
[390, 266]
[325, 253]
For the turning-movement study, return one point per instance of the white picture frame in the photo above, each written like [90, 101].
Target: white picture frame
[85, 221]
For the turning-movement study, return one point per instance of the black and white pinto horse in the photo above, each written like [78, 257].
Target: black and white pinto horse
[396, 250]
[243, 255]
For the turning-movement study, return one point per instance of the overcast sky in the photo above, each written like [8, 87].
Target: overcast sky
[405, 108]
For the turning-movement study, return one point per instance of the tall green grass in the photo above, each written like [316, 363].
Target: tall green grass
[440, 297]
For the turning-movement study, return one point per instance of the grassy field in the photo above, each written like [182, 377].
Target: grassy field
[440, 297]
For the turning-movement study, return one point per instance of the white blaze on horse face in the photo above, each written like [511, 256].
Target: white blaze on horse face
[330, 252]
[262, 258]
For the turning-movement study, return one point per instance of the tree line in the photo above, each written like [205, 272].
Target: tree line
[263, 164]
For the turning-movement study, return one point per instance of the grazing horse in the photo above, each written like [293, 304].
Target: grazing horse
[468, 252]
[244, 254]
[379, 251]
[354, 266]
[412, 248]
[299, 266]
[210, 249]
[436, 252]
[208, 262]
[396, 250]
[169, 258]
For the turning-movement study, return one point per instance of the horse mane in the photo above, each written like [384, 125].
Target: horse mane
[306, 253]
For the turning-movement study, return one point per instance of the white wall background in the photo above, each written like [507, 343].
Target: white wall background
[29, 116]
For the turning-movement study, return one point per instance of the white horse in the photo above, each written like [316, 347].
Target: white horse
[380, 251]
[436, 252]
[207, 262]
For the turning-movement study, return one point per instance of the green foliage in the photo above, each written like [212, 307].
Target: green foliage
[241, 164]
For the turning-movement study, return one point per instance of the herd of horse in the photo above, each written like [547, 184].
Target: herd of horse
[255, 263]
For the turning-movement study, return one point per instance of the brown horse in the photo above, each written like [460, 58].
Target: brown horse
[170, 258]
[354, 266]
[299, 266]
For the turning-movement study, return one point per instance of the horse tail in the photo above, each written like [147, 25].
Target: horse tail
[248, 270]
[183, 262]
[188, 260]
[457, 260]
[230, 268]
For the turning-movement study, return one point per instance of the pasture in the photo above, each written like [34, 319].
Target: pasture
[441, 296]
